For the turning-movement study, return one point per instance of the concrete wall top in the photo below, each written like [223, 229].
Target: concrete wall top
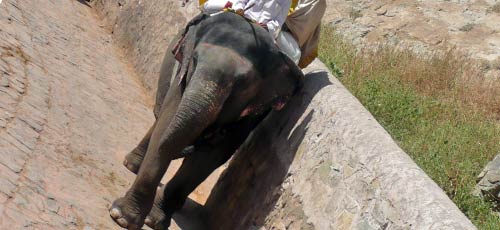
[324, 162]
[144, 29]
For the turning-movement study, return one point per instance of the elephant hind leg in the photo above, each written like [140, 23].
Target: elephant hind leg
[134, 159]
[168, 70]
[167, 101]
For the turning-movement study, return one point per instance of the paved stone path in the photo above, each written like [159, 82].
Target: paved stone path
[69, 111]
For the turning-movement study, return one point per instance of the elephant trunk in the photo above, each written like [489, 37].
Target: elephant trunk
[199, 107]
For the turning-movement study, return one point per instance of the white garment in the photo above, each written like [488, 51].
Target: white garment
[269, 12]
[304, 23]
[214, 6]
[287, 43]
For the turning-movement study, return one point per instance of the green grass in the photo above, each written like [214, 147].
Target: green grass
[423, 104]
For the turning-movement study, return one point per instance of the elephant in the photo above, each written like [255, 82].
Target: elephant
[232, 75]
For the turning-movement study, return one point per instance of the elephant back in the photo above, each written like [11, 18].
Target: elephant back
[244, 37]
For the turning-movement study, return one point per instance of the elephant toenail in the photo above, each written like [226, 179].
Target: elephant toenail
[125, 162]
[122, 222]
[115, 213]
[148, 221]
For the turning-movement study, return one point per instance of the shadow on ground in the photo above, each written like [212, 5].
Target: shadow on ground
[240, 198]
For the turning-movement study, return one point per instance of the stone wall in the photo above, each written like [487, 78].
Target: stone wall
[424, 26]
[322, 163]
[144, 29]
[325, 163]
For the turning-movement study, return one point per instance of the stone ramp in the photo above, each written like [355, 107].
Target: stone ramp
[70, 109]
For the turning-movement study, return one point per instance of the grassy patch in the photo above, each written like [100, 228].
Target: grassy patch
[495, 8]
[437, 108]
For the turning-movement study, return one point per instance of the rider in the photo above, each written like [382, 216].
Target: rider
[304, 23]
[298, 37]
[270, 14]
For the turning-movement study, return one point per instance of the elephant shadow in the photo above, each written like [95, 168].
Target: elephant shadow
[249, 188]
[84, 2]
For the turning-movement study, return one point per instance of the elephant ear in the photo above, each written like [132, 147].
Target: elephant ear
[287, 80]
[293, 70]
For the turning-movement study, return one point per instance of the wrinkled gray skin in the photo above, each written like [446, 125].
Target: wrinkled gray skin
[237, 76]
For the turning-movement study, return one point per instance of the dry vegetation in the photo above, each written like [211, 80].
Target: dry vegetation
[355, 13]
[449, 76]
[438, 107]
[496, 8]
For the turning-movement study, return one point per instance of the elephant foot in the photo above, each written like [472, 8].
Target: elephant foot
[158, 219]
[134, 159]
[127, 214]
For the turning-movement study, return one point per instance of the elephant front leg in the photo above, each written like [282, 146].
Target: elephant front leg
[196, 167]
[171, 197]
[167, 140]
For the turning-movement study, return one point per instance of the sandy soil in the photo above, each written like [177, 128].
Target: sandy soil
[70, 109]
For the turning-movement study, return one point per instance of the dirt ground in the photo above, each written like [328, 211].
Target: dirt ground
[70, 109]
